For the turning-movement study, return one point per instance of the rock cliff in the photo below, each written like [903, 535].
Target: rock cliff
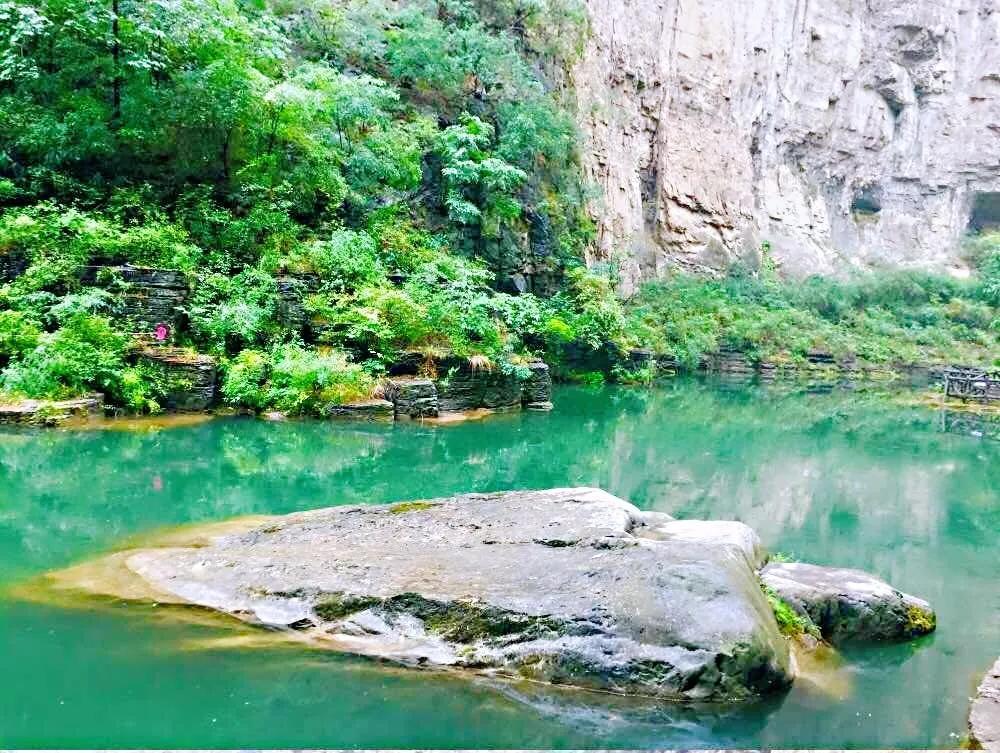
[845, 134]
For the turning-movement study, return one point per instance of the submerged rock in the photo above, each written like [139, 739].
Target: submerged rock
[984, 721]
[570, 586]
[849, 605]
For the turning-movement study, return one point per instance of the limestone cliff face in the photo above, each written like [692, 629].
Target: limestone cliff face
[845, 133]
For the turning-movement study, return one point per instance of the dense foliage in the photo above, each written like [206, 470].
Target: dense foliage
[411, 164]
[897, 317]
[410, 156]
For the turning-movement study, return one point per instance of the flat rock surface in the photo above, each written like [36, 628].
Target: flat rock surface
[571, 586]
[984, 721]
[849, 605]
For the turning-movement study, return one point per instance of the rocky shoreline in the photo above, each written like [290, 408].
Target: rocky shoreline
[459, 390]
[568, 586]
[419, 386]
[984, 719]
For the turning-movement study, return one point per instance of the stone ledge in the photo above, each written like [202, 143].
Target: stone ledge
[984, 720]
[194, 377]
[372, 410]
[413, 397]
[52, 412]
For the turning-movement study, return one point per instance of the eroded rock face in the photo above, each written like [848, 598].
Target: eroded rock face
[536, 390]
[52, 412]
[413, 397]
[845, 134]
[151, 297]
[849, 605]
[191, 377]
[984, 721]
[460, 387]
[12, 265]
[572, 586]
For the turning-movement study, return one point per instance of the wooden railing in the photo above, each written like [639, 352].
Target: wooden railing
[972, 384]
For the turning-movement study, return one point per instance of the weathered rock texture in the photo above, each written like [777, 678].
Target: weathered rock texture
[371, 410]
[292, 291]
[12, 265]
[413, 397]
[984, 721]
[462, 387]
[151, 296]
[190, 377]
[52, 412]
[571, 586]
[845, 133]
[536, 390]
[849, 605]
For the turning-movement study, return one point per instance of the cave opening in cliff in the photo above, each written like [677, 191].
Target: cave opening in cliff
[985, 212]
[866, 201]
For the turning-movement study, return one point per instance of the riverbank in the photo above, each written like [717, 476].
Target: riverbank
[414, 400]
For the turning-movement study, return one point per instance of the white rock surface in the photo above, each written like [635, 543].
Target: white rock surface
[712, 127]
[984, 721]
[570, 586]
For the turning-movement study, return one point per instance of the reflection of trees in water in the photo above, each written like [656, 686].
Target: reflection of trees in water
[846, 468]
[843, 478]
[971, 425]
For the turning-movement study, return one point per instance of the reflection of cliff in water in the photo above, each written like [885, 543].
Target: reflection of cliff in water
[971, 424]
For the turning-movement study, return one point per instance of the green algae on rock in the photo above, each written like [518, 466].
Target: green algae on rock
[849, 605]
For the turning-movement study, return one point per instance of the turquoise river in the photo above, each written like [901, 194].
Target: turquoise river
[841, 478]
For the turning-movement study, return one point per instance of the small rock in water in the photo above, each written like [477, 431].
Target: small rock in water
[849, 605]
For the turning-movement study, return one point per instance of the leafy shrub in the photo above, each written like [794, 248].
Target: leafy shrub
[349, 260]
[230, 313]
[85, 353]
[297, 381]
[897, 317]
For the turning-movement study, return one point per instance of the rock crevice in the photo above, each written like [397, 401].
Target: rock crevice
[845, 135]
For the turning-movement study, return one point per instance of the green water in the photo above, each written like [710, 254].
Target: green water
[835, 479]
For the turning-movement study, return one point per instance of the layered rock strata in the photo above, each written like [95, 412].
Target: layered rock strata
[844, 135]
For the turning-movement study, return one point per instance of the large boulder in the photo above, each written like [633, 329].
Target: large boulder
[462, 386]
[984, 721]
[190, 378]
[570, 586]
[413, 397]
[849, 605]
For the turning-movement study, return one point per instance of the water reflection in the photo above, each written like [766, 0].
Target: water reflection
[842, 478]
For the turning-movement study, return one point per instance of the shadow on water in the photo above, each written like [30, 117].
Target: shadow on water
[845, 478]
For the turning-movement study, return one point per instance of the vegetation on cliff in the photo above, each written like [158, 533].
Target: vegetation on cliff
[887, 318]
[409, 157]
[411, 167]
